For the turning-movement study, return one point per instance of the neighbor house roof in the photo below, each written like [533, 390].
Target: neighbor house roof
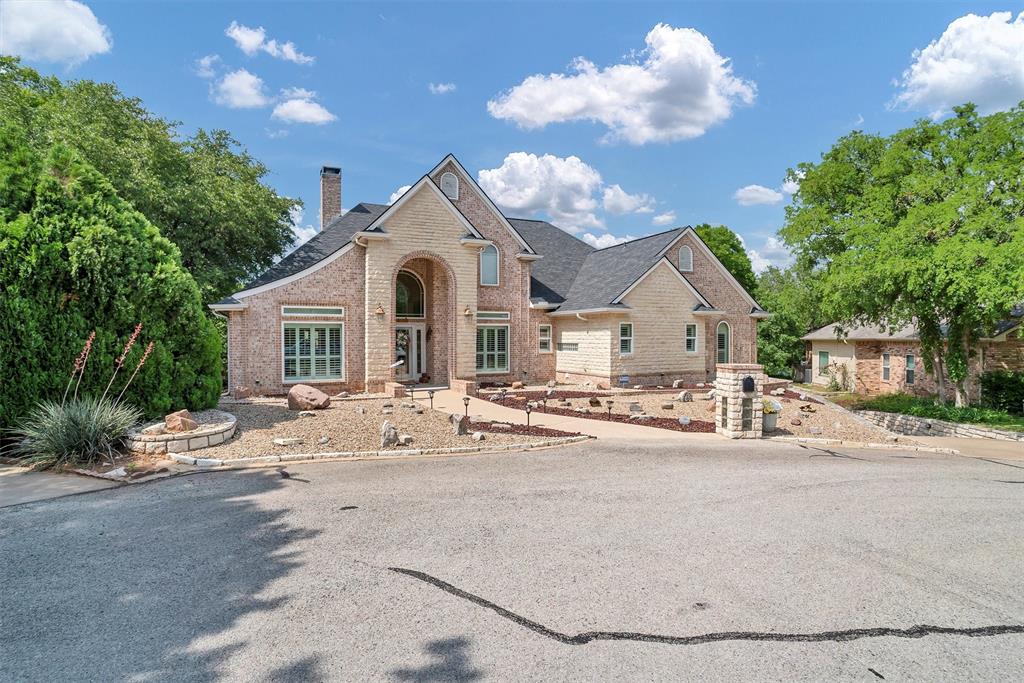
[830, 332]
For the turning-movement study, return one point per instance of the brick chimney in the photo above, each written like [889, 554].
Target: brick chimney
[330, 194]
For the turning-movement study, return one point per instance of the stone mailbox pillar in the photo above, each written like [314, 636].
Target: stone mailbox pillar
[739, 389]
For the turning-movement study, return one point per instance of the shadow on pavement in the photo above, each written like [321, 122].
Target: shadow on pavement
[449, 662]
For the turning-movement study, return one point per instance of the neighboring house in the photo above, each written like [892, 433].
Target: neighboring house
[878, 362]
[457, 293]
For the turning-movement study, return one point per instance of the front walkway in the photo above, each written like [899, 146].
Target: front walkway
[21, 485]
[450, 401]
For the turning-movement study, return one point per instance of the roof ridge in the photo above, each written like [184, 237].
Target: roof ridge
[639, 239]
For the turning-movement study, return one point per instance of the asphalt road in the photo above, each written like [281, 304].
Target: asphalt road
[710, 561]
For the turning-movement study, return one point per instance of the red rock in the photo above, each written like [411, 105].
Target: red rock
[180, 421]
[305, 397]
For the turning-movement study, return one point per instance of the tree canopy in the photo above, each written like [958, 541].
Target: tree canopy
[728, 247]
[923, 226]
[791, 297]
[203, 192]
[76, 258]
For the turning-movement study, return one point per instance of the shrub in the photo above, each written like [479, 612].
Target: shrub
[1003, 390]
[75, 257]
[78, 432]
[929, 407]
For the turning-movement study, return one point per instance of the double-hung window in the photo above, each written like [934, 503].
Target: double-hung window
[313, 351]
[910, 368]
[544, 339]
[625, 338]
[886, 367]
[691, 338]
[492, 349]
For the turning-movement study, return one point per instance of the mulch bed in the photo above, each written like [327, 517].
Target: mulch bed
[796, 397]
[523, 396]
[519, 430]
[671, 423]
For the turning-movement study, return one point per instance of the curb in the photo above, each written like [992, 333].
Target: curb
[863, 444]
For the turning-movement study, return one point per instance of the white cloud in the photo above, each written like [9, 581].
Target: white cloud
[277, 133]
[663, 219]
[441, 88]
[790, 186]
[562, 187]
[605, 240]
[772, 253]
[206, 67]
[976, 59]
[681, 87]
[253, 40]
[240, 90]
[398, 193]
[618, 201]
[303, 233]
[60, 31]
[303, 110]
[757, 194]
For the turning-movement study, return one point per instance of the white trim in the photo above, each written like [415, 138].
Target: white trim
[487, 200]
[423, 288]
[379, 235]
[728, 342]
[680, 253]
[528, 257]
[714, 259]
[327, 380]
[606, 309]
[675, 271]
[505, 315]
[227, 307]
[323, 316]
[631, 338]
[474, 242]
[440, 181]
[297, 276]
[413, 327]
[712, 312]
[425, 181]
[543, 306]
[508, 349]
[550, 338]
[497, 266]
[696, 337]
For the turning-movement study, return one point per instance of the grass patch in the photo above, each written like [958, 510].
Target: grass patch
[927, 407]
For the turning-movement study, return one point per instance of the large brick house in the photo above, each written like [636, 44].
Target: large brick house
[440, 287]
[875, 361]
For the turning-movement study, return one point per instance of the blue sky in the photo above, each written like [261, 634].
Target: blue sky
[665, 132]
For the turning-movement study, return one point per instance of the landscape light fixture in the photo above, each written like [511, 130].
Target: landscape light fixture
[430, 395]
[465, 402]
[379, 311]
[609, 403]
[544, 403]
[528, 411]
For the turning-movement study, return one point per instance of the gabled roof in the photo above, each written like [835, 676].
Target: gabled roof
[424, 182]
[830, 332]
[552, 276]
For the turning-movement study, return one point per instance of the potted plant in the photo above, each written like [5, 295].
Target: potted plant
[770, 416]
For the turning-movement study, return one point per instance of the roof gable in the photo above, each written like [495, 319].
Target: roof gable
[424, 184]
[665, 262]
[710, 255]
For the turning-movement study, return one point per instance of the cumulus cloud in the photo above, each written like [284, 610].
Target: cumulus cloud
[253, 40]
[772, 253]
[396, 195]
[605, 240]
[790, 186]
[618, 201]
[676, 89]
[441, 88]
[757, 194]
[206, 67]
[240, 90]
[976, 59]
[663, 219]
[62, 31]
[302, 110]
[562, 187]
[302, 233]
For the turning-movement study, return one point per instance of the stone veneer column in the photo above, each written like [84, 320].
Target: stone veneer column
[730, 398]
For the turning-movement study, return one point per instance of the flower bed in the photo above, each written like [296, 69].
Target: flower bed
[518, 429]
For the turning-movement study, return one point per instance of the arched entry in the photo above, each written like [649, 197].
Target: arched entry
[423, 331]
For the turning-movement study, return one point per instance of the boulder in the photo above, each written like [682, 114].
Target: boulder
[683, 420]
[795, 422]
[242, 392]
[305, 397]
[478, 436]
[405, 439]
[684, 396]
[388, 435]
[460, 424]
[517, 385]
[678, 384]
[667, 405]
[710, 395]
[550, 392]
[180, 421]
[595, 402]
[638, 386]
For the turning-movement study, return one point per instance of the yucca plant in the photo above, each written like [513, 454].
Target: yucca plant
[78, 432]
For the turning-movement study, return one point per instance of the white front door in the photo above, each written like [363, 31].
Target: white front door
[410, 349]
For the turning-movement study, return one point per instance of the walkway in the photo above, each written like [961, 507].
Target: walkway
[21, 485]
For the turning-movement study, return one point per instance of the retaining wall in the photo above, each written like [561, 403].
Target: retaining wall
[925, 426]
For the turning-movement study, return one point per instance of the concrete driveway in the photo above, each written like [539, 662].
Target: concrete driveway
[704, 560]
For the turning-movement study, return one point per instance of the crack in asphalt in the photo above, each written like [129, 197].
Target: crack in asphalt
[917, 631]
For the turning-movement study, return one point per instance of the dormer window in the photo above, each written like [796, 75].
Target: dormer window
[450, 185]
[685, 259]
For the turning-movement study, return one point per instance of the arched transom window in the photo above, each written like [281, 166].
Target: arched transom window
[685, 259]
[410, 299]
[489, 265]
[450, 185]
[724, 342]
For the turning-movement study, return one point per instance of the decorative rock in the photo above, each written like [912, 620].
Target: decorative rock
[305, 397]
[155, 429]
[388, 435]
[180, 421]
[307, 413]
[795, 422]
[640, 417]
[408, 404]
[701, 385]
[594, 402]
[550, 392]
[683, 420]
[517, 385]
[678, 384]
[501, 425]
[361, 410]
[242, 392]
[814, 430]
[533, 405]
[460, 424]
[386, 411]
[778, 392]
[405, 439]
[552, 384]
[635, 408]
[289, 441]
[341, 394]
[667, 405]
[119, 472]
[478, 436]
[684, 396]
[710, 395]
[323, 440]
[583, 410]
[638, 386]
[710, 408]
[602, 386]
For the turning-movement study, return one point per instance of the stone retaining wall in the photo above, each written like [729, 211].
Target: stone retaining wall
[205, 436]
[924, 426]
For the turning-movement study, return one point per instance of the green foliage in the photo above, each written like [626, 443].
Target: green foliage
[924, 226]
[928, 407]
[75, 257]
[791, 297]
[1003, 390]
[76, 433]
[726, 245]
[203, 193]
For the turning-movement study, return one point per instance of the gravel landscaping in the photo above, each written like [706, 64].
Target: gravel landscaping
[350, 425]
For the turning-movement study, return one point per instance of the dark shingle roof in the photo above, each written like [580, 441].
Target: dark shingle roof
[336, 235]
[551, 276]
[606, 273]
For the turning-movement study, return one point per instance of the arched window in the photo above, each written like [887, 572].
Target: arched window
[724, 342]
[410, 301]
[685, 259]
[450, 185]
[489, 265]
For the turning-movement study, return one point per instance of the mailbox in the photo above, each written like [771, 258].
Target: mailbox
[748, 385]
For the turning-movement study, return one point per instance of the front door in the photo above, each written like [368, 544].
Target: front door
[410, 350]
